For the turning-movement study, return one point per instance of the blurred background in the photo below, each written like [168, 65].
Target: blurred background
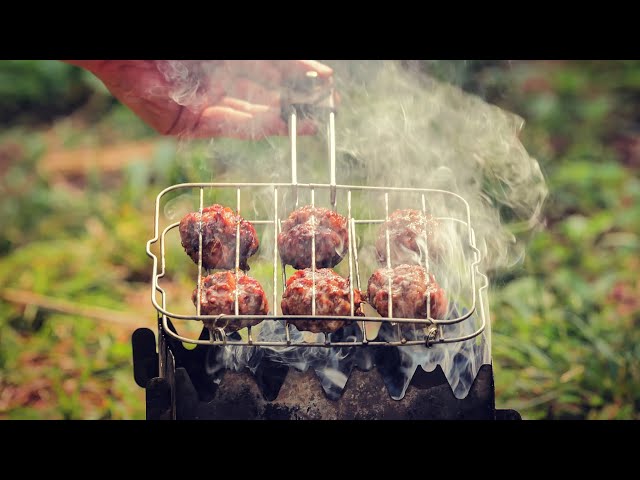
[79, 174]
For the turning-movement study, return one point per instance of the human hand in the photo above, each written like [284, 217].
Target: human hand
[207, 98]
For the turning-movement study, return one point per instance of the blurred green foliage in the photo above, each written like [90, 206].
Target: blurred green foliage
[565, 322]
[36, 90]
[566, 342]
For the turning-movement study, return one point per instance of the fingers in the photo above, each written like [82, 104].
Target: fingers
[254, 92]
[243, 106]
[238, 119]
[265, 72]
[272, 73]
[221, 121]
[302, 67]
[271, 123]
[250, 106]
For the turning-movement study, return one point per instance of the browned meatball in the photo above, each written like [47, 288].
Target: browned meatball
[217, 296]
[218, 237]
[410, 287]
[407, 237]
[332, 240]
[332, 298]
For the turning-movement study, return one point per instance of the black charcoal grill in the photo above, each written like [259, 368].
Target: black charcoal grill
[374, 368]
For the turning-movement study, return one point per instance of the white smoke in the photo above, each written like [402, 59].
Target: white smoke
[396, 128]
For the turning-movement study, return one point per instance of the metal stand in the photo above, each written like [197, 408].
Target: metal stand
[192, 388]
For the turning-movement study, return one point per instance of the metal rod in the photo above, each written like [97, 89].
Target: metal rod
[371, 221]
[276, 228]
[426, 257]
[162, 344]
[331, 135]
[355, 252]
[352, 229]
[260, 222]
[293, 135]
[308, 185]
[225, 341]
[284, 267]
[350, 241]
[162, 347]
[346, 318]
[313, 253]
[287, 332]
[199, 253]
[275, 250]
[236, 306]
[388, 245]
[390, 271]
[350, 238]
[426, 244]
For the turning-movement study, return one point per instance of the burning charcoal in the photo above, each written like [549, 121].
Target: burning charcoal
[219, 227]
[295, 240]
[218, 296]
[407, 243]
[332, 298]
[410, 289]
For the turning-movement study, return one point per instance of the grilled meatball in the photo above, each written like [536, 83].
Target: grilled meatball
[410, 286]
[332, 240]
[407, 237]
[332, 298]
[218, 296]
[218, 237]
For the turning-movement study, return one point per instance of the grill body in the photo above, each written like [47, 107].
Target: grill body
[193, 389]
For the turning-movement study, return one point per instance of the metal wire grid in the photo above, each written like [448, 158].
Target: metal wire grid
[434, 326]
[217, 336]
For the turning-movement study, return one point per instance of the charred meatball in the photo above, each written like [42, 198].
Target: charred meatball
[407, 230]
[217, 296]
[410, 286]
[331, 234]
[218, 225]
[332, 298]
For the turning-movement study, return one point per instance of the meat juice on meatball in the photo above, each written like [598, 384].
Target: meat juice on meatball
[411, 285]
[331, 237]
[407, 229]
[219, 227]
[218, 296]
[333, 298]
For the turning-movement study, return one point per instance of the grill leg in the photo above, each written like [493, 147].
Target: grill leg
[158, 399]
[507, 415]
[145, 358]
